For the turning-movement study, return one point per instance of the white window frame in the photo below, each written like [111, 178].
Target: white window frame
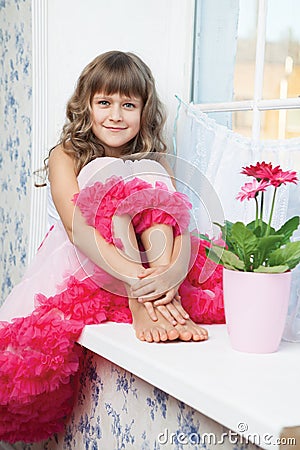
[257, 105]
[38, 211]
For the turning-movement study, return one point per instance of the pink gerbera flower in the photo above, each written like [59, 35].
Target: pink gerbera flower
[282, 177]
[250, 190]
[261, 171]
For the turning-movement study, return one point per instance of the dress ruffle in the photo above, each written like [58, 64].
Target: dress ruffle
[145, 204]
[39, 358]
[202, 290]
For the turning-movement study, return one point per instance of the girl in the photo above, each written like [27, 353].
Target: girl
[119, 249]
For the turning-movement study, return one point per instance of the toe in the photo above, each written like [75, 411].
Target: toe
[155, 334]
[172, 334]
[140, 335]
[148, 336]
[163, 335]
[204, 333]
[200, 334]
[184, 333]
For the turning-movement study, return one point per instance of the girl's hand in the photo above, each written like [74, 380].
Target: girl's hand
[165, 298]
[173, 312]
[158, 284]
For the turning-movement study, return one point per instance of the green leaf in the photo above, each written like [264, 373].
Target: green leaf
[288, 228]
[261, 229]
[222, 256]
[273, 269]
[288, 255]
[265, 246]
[226, 233]
[213, 255]
[245, 243]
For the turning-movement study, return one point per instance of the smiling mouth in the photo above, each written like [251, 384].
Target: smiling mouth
[115, 128]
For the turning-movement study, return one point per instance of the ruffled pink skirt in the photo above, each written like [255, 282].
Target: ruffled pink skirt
[62, 291]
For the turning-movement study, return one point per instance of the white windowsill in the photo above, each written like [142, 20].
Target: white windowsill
[230, 387]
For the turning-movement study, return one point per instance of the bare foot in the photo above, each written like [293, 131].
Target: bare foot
[162, 330]
[148, 330]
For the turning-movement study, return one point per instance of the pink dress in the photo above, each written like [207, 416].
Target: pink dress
[62, 291]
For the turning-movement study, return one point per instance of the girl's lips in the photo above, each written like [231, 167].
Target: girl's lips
[115, 128]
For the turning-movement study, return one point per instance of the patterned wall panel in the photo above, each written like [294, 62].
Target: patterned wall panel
[15, 139]
[116, 410]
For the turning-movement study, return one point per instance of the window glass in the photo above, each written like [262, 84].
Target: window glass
[280, 124]
[292, 123]
[242, 122]
[275, 124]
[246, 47]
[282, 52]
[214, 50]
[238, 121]
[225, 59]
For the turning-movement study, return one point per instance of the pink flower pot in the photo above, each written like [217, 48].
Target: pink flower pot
[256, 307]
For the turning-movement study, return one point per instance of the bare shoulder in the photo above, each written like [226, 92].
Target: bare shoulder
[58, 154]
[60, 161]
[63, 185]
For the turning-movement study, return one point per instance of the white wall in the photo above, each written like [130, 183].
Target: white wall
[159, 31]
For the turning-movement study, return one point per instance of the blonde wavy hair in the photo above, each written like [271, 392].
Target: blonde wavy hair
[113, 72]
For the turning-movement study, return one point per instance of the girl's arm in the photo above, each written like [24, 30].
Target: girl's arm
[160, 280]
[63, 182]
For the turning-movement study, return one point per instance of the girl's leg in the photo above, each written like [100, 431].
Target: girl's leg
[146, 329]
[158, 243]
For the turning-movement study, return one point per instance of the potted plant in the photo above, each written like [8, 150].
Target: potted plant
[257, 262]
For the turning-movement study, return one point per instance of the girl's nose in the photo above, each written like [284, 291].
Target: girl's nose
[115, 113]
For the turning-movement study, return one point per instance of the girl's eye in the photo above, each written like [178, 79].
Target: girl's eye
[103, 102]
[129, 105]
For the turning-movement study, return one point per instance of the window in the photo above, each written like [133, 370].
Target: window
[247, 65]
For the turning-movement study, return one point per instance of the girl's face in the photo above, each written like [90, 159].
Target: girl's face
[115, 120]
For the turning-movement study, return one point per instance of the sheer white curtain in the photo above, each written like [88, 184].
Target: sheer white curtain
[217, 155]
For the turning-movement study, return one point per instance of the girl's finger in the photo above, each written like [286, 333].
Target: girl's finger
[150, 311]
[150, 298]
[177, 305]
[166, 299]
[170, 295]
[175, 314]
[167, 315]
[152, 289]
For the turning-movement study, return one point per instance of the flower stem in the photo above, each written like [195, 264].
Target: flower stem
[271, 212]
[256, 212]
[261, 207]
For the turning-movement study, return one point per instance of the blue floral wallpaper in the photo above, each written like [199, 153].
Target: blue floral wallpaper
[116, 410]
[15, 139]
